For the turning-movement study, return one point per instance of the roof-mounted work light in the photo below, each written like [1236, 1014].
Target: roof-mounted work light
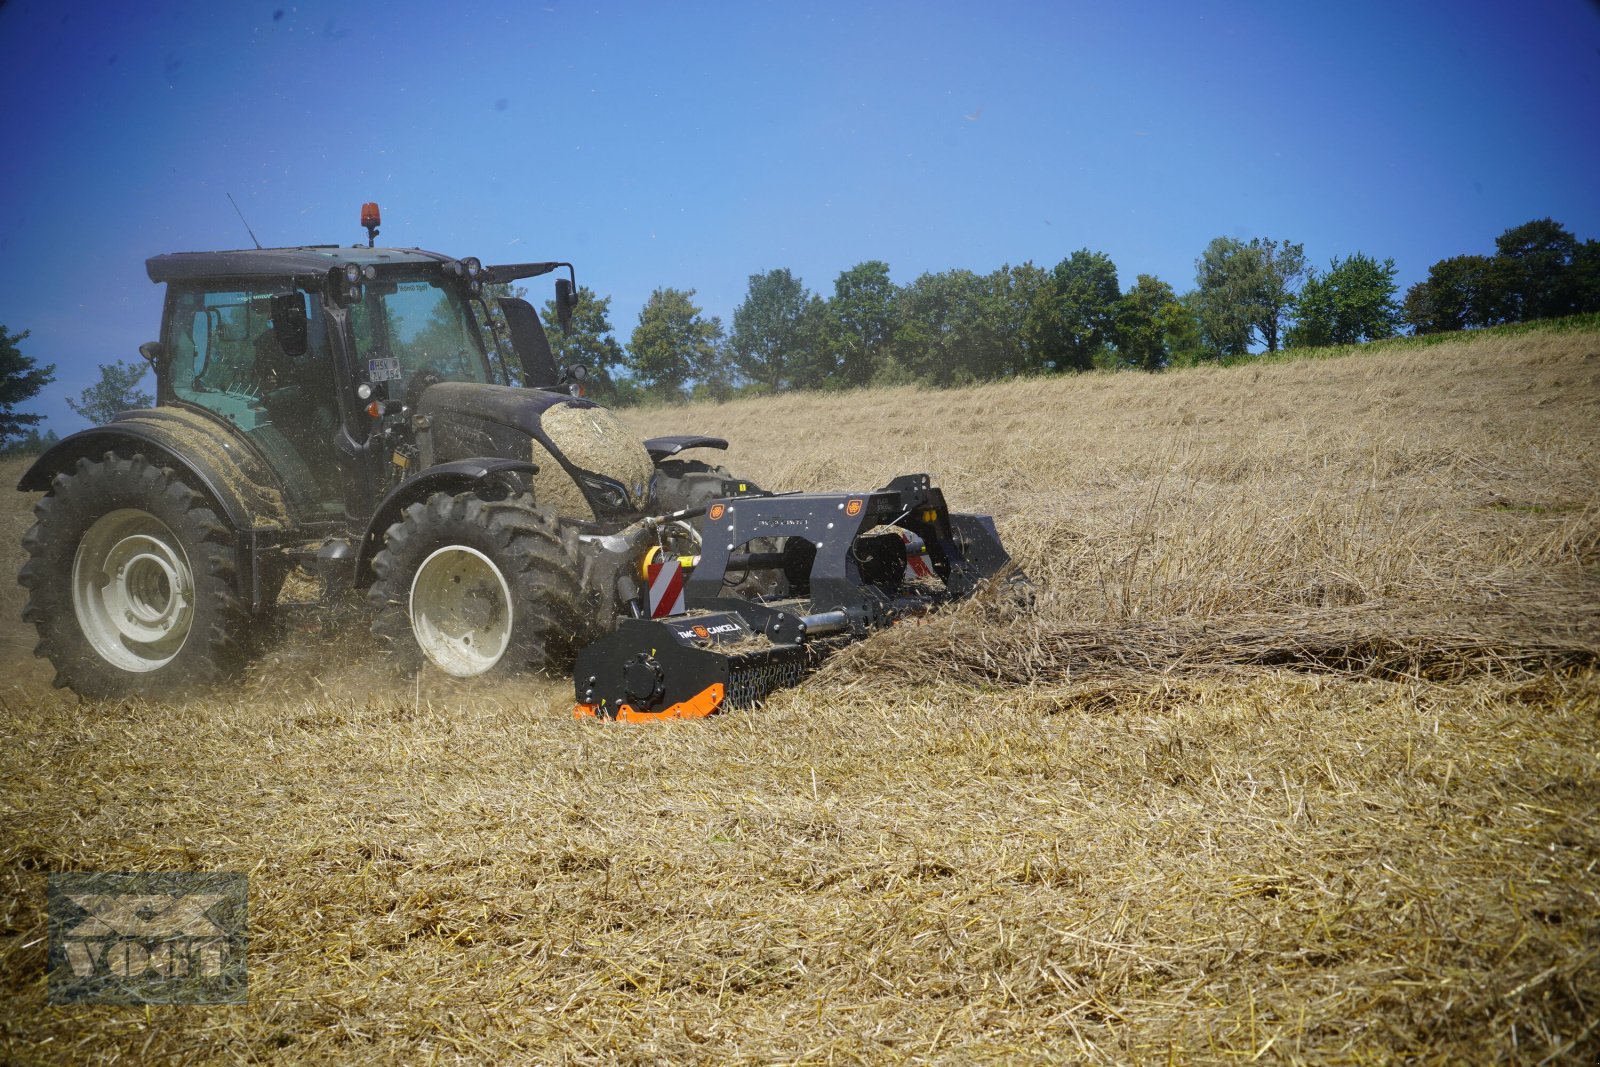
[371, 219]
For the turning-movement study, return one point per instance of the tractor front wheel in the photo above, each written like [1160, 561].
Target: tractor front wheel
[480, 587]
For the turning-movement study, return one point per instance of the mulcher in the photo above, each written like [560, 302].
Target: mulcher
[336, 421]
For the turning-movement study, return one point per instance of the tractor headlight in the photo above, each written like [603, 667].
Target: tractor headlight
[606, 492]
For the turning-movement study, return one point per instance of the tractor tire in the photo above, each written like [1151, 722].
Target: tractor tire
[480, 588]
[131, 582]
[687, 483]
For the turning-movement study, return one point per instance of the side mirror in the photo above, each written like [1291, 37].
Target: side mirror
[566, 301]
[289, 323]
[154, 353]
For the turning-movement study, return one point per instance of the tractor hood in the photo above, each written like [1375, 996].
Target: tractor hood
[590, 465]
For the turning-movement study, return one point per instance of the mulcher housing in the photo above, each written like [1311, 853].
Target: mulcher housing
[847, 554]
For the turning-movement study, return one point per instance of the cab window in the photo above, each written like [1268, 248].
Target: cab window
[412, 333]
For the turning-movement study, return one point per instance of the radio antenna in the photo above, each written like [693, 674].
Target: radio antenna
[247, 228]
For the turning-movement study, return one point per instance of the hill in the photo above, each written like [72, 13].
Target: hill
[1295, 758]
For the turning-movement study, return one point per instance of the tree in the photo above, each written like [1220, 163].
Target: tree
[814, 363]
[117, 390]
[673, 345]
[30, 444]
[1586, 277]
[941, 337]
[1141, 332]
[1247, 289]
[1352, 302]
[1226, 278]
[1456, 295]
[20, 379]
[1012, 294]
[1532, 271]
[1074, 316]
[1281, 265]
[771, 332]
[1180, 331]
[861, 320]
[588, 341]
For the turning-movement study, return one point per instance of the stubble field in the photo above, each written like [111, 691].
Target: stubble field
[1296, 758]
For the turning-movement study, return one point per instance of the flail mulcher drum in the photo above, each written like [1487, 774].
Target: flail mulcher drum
[780, 581]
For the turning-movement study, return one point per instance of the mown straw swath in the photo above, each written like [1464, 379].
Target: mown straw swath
[1294, 757]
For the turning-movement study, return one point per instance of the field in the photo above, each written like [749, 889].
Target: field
[1296, 758]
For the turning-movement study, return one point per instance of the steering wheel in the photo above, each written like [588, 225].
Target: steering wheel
[426, 376]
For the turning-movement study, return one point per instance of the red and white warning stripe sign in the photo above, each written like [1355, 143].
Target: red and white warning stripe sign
[666, 587]
[916, 557]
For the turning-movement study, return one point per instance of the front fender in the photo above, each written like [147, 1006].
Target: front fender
[460, 475]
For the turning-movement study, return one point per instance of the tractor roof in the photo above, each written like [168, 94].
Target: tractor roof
[278, 262]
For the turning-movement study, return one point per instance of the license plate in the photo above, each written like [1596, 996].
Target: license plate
[386, 369]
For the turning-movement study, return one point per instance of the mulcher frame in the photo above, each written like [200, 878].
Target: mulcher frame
[731, 652]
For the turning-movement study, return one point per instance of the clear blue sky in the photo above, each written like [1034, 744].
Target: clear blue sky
[691, 145]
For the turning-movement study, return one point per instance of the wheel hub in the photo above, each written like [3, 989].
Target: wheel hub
[461, 611]
[133, 590]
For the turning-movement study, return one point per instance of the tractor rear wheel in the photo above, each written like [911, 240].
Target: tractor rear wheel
[130, 579]
[480, 587]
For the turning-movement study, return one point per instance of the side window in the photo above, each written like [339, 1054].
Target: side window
[226, 358]
[213, 347]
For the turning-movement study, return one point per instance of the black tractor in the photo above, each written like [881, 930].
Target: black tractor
[331, 420]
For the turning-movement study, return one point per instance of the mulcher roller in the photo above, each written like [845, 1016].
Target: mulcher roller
[833, 568]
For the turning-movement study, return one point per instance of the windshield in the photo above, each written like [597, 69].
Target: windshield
[412, 333]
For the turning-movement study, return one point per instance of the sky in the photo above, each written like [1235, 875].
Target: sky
[692, 145]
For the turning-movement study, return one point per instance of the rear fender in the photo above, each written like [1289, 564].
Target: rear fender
[457, 476]
[206, 455]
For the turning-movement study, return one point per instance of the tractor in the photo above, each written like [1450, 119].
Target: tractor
[338, 424]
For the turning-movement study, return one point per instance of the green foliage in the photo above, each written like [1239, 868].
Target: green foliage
[503, 359]
[1589, 323]
[1455, 296]
[30, 443]
[117, 390]
[1181, 333]
[673, 345]
[943, 335]
[1279, 267]
[1539, 270]
[1013, 294]
[779, 339]
[588, 341]
[1226, 280]
[1074, 314]
[1354, 301]
[860, 321]
[20, 379]
[1246, 290]
[1533, 278]
[1141, 327]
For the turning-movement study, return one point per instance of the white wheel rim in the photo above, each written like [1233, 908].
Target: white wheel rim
[133, 590]
[461, 611]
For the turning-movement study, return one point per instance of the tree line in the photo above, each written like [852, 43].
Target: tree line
[957, 326]
[952, 327]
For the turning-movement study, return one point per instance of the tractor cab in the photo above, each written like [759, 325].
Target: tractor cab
[319, 356]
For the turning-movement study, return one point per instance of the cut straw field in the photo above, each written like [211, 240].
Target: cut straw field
[1296, 758]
